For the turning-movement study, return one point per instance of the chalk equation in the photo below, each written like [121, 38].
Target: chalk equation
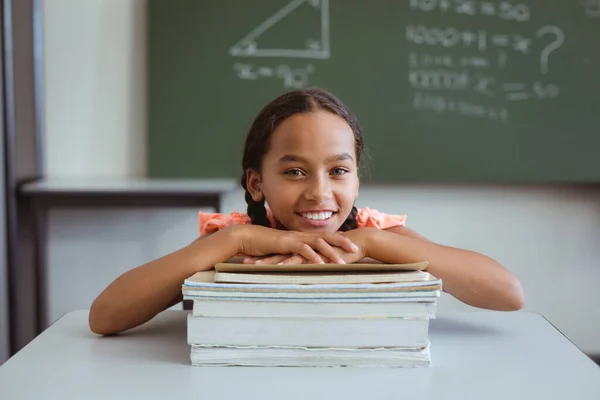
[486, 85]
[552, 36]
[443, 105]
[292, 78]
[591, 8]
[504, 9]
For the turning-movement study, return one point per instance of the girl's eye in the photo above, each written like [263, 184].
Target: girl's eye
[338, 171]
[293, 172]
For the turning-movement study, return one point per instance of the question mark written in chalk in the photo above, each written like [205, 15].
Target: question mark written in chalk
[545, 54]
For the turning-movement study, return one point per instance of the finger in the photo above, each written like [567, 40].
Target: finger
[307, 252]
[338, 240]
[325, 259]
[276, 259]
[325, 248]
[295, 259]
[348, 245]
[250, 260]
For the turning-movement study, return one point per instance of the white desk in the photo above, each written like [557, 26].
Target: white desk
[479, 355]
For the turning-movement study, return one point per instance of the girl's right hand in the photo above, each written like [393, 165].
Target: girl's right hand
[255, 240]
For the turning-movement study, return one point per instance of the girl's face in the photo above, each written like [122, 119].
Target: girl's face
[309, 174]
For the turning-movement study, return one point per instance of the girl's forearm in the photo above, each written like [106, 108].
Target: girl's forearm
[471, 277]
[141, 293]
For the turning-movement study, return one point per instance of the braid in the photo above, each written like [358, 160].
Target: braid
[351, 222]
[256, 209]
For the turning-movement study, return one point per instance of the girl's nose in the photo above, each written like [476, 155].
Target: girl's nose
[318, 190]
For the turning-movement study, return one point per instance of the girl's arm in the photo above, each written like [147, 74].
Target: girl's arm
[139, 294]
[471, 277]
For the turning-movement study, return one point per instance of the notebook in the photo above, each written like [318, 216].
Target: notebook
[202, 284]
[265, 308]
[204, 280]
[308, 332]
[235, 265]
[301, 278]
[210, 355]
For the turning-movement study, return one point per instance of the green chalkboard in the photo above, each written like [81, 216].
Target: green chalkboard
[445, 90]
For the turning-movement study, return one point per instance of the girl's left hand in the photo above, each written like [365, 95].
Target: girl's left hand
[359, 236]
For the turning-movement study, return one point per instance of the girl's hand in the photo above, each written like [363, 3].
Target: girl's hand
[362, 237]
[254, 240]
[358, 236]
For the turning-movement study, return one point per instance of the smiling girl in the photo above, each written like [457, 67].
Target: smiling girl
[300, 173]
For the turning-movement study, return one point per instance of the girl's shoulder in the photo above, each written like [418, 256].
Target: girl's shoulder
[366, 218]
[212, 222]
[370, 218]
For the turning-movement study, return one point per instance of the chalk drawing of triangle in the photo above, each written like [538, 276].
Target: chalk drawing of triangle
[316, 48]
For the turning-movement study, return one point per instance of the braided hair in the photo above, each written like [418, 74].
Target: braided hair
[269, 118]
[256, 209]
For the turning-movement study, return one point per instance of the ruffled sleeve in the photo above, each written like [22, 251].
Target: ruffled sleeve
[368, 218]
[212, 222]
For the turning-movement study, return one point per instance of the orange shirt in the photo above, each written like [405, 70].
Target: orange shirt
[366, 217]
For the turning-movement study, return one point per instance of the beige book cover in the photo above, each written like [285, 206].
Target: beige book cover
[300, 278]
[205, 281]
[368, 264]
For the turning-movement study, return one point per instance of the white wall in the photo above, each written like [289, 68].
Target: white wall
[548, 236]
[94, 76]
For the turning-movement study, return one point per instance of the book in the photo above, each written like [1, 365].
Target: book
[333, 297]
[261, 308]
[235, 265]
[304, 278]
[203, 284]
[273, 356]
[206, 280]
[308, 332]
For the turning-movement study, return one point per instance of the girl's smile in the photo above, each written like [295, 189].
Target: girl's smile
[317, 218]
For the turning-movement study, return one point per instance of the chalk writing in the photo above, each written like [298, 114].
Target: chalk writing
[452, 37]
[551, 47]
[442, 105]
[518, 91]
[475, 62]
[591, 7]
[439, 79]
[427, 60]
[504, 10]
[436, 70]
[445, 37]
[431, 60]
[484, 85]
[292, 77]
[516, 42]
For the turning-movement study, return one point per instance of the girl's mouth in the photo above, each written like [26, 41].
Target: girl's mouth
[317, 218]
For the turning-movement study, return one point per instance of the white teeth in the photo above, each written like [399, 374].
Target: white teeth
[318, 216]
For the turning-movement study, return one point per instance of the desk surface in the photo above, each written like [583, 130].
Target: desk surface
[479, 355]
[90, 186]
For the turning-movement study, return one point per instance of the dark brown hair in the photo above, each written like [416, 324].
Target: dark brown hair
[270, 117]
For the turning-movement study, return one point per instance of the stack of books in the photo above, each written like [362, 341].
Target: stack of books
[368, 314]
